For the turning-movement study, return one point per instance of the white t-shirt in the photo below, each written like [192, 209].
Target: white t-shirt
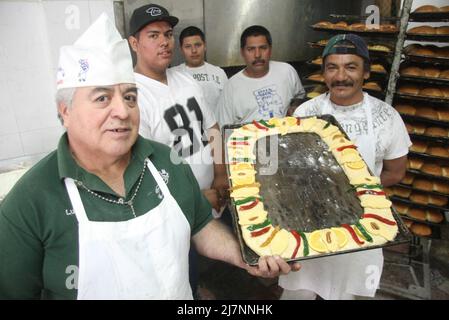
[210, 78]
[245, 99]
[177, 115]
[393, 140]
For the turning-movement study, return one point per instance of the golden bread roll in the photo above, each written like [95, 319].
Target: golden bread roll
[409, 128]
[423, 51]
[400, 207]
[443, 30]
[417, 213]
[378, 47]
[419, 128]
[427, 112]
[408, 223]
[341, 25]
[408, 179]
[436, 132]
[323, 42]
[409, 89]
[388, 27]
[435, 216]
[438, 151]
[431, 72]
[419, 146]
[445, 91]
[372, 85]
[439, 201]
[426, 9]
[402, 192]
[422, 184]
[316, 77]
[431, 92]
[318, 60]
[441, 187]
[432, 169]
[444, 74]
[415, 163]
[421, 230]
[443, 115]
[412, 71]
[420, 198]
[389, 191]
[422, 30]
[444, 9]
[380, 68]
[357, 27]
[445, 172]
[442, 52]
[405, 109]
[324, 24]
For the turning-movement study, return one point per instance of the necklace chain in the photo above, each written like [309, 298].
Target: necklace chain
[120, 201]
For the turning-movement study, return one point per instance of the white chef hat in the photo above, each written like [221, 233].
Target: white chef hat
[99, 57]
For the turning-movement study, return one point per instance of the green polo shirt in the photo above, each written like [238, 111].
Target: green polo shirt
[39, 231]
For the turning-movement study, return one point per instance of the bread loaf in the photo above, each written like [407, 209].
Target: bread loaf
[427, 112]
[406, 109]
[423, 184]
[444, 9]
[420, 198]
[408, 223]
[438, 151]
[441, 187]
[431, 72]
[316, 77]
[412, 71]
[432, 169]
[419, 128]
[372, 85]
[443, 30]
[415, 163]
[443, 115]
[400, 207]
[324, 24]
[445, 172]
[409, 89]
[408, 179]
[444, 74]
[388, 27]
[421, 230]
[431, 92]
[434, 216]
[402, 192]
[341, 25]
[417, 213]
[422, 30]
[357, 27]
[436, 132]
[419, 146]
[380, 68]
[426, 9]
[439, 201]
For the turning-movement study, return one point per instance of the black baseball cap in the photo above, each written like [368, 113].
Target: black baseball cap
[147, 14]
[347, 44]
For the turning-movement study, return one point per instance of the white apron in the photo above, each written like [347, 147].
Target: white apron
[356, 273]
[142, 258]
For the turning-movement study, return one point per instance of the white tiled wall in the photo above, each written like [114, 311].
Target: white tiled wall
[31, 33]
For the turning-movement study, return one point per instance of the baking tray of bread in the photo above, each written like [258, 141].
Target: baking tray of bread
[423, 113]
[376, 68]
[383, 29]
[431, 153]
[430, 54]
[432, 171]
[429, 33]
[422, 200]
[434, 94]
[426, 185]
[426, 74]
[375, 48]
[307, 192]
[430, 13]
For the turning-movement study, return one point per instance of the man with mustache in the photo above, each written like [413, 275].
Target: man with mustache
[382, 139]
[264, 89]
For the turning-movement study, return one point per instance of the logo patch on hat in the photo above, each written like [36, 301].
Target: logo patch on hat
[154, 11]
[84, 66]
[60, 76]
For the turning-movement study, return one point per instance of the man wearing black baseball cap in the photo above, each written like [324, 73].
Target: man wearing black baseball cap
[147, 14]
[381, 137]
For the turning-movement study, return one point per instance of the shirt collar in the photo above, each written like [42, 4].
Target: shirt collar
[68, 168]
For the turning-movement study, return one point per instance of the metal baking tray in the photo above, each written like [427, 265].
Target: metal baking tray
[439, 81]
[422, 98]
[425, 120]
[419, 205]
[427, 156]
[426, 175]
[410, 187]
[429, 17]
[308, 191]
[434, 60]
[373, 33]
[423, 137]
[428, 37]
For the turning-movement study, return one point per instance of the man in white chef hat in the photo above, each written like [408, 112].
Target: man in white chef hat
[107, 215]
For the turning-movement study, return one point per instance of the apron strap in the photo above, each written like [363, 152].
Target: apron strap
[157, 176]
[75, 199]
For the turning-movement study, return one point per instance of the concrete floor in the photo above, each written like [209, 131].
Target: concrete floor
[222, 281]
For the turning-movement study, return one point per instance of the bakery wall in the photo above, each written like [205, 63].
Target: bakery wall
[31, 33]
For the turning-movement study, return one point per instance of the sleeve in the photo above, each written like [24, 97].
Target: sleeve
[202, 210]
[224, 77]
[399, 139]
[21, 252]
[225, 109]
[298, 89]
[145, 119]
